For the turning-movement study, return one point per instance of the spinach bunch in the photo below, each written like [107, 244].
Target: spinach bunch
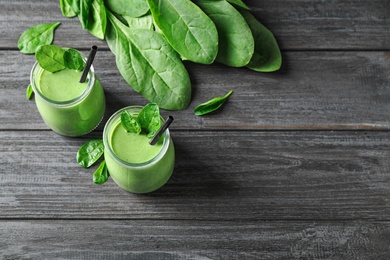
[150, 38]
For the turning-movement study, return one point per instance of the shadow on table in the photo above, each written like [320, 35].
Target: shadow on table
[195, 176]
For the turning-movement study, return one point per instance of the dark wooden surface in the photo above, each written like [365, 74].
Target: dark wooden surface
[295, 166]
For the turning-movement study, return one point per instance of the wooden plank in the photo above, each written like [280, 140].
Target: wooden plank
[314, 90]
[145, 239]
[330, 25]
[299, 24]
[227, 175]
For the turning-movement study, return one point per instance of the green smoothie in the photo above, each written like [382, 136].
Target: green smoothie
[55, 86]
[66, 106]
[138, 149]
[132, 162]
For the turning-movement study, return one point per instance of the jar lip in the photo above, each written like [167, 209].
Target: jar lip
[87, 90]
[113, 121]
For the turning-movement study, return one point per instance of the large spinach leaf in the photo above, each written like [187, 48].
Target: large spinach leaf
[132, 8]
[239, 3]
[143, 22]
[187, 28]
[72, 4]
[236, 44]
[67, 9]
[97, 19]
[267, 56]
[85, 9]
[149, 64]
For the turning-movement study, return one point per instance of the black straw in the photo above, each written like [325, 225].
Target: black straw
[89, 63]
[160, 131]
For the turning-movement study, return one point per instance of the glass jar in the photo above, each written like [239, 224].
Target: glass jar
[143, 177]
[74, 117]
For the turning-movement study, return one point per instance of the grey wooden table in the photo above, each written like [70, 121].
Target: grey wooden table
[295, 166]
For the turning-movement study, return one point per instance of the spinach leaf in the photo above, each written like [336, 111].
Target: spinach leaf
[66, 9]
[74, 5]
[73, 60]
[132, 8]
[149, 64]
[35, 36]
[90, 152]
[149, 118]
[267, 56]
[100, 176]
[236, 44]
[29, 92]
[187, 28]
[85, 9]
[50, 57]
[130, 123]
[143, 22]
[98, 19]
[239, 3]
[53, 58]
[211, 105]
[113, 34]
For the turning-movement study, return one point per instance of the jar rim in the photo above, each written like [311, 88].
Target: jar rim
[87, 90]
[113, 121]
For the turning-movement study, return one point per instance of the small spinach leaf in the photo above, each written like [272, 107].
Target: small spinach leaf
[211, 105]
[50, 57]
[35, 36]
[267, 56]
[149, 118]
[29, 92]
[73, 60]
[187, 28]
[130, 123]
[90, 152]
[100, 176]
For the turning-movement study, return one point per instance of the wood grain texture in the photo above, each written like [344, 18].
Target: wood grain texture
[297, 24]
[265, 177]
[330, 25]
[227, 175]
[145, 239]
[314, 90]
